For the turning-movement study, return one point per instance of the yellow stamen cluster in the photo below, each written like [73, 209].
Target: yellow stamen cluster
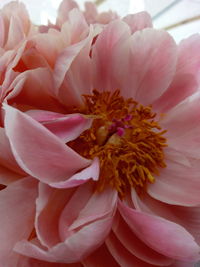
[126, 138]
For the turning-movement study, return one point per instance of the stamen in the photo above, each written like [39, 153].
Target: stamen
[127, 140]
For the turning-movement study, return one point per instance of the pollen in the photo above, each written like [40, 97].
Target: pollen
[126, 138]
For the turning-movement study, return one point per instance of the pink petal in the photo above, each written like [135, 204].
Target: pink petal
[6, 157]
[183, 264]
[173, 240]
[101, 257]
[2, 30]
[178, 183]
[17, 206]
[135, 246]
[182, 124]
[121, 255]
[100, 205]
[73, 72]
[49, 205]
[29, 89]
[75, 248]
[79, 26]
[49, 156]
[64, 61]
[189, 58]
[66, 127]
[186, 79]
[64, 10]
[188, 217]
[102, 54]
[138, 21]
[30, 262]
[15, 33]
[182, 86]
[144, 65]
[7, 176]
[91, 172]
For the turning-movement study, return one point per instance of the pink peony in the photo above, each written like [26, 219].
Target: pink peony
[99, 147]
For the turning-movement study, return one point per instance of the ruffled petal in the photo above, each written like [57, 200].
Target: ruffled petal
[173, 240]
[75, 248]
[144, 65]
[103, 57]
[138, 21]
[186, 80]
[38, 151]
[70, 238]
[135, 246]
[17, 207]
[188, 217]
[29, 89]
[121, 255]
[63, 11]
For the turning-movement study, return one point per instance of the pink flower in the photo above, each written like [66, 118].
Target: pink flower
[105, 170]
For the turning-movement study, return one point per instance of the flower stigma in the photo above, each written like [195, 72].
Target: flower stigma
[127, 140]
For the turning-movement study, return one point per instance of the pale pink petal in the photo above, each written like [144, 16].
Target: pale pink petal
[135, 246]
[73, 207]
[15, 33]
[186, 80]
[91, 172]
[188, 217]
[188, 56]
[17, 207]
[182, 125]
[173, 240]
[73, 72]
[102, 54]
[66, 127]
[144, 65]
[64, 9]
[69, 127]
[65, 60]
[183, 86]
[44, 115]
[121, 255]
[79, 26]
[100, 258]
[48, 45]
[39, 152]
[100, 205]
[75, 248]
[2, 30]
[49, 205]
[138, 21]
[91, 12]
[178, 183]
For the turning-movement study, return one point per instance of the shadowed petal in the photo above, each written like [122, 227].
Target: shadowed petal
[173, 240]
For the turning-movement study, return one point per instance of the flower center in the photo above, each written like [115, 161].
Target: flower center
[126, 138]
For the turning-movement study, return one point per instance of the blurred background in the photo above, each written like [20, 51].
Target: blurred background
[180, 17]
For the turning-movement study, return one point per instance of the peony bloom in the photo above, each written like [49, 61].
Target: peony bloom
[100, 158]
